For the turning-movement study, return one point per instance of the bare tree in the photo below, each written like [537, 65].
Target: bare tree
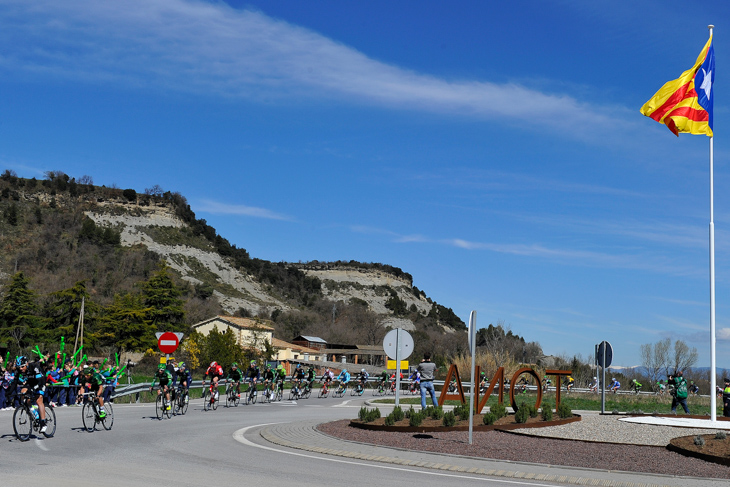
[683, 357]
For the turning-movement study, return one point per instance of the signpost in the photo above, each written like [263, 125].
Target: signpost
[604, 356]
[472, 352]
[398, 345]
[168, 342]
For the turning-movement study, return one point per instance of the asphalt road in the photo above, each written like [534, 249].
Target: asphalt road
[201, 448]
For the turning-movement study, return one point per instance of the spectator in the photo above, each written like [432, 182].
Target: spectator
[726, 399]
[679, 395]
[427, 370]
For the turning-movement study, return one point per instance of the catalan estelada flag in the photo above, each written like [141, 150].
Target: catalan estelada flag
[685, 104]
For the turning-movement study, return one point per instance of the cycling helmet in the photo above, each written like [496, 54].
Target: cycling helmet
[234, 364]
[213, 364]
[268, 366]
[253, 362]
[299, 366]
[613, 378]
[344, 371]
[181, 365]
[161, 366]
[362, 370]
[595, 378]
[21, 361]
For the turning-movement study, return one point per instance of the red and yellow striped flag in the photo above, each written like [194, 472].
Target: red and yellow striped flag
[676, 104]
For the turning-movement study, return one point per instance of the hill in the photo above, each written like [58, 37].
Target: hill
[60, 232]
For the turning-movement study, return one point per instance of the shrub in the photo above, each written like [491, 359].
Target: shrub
[362, 414]
[699, 440]
[547, 413]
[489, 418]
[499, 410]
[437, 413]
[389, 421]
[462, 411]
[564, 411]
[368, 415]
[415, 419]
[615, 411]
[449, 419]
[410, 412]
[397, 413]
[522, 414]
[720, 435]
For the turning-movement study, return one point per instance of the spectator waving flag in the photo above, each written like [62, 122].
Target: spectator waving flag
[685, 104]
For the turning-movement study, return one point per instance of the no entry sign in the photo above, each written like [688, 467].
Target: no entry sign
[168, 342]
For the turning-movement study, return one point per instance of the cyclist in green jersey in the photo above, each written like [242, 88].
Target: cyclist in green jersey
[164, 377]
[96, 383]
[235, 376]
[279, 376]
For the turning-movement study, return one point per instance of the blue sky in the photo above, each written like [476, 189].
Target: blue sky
[495, 151]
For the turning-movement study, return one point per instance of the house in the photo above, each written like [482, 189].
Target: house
[249, 332]
[310, 342]
[291, 351]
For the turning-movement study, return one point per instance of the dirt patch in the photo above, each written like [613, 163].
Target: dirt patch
[431, 424]
[714, 450]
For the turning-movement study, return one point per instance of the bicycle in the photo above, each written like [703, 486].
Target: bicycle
[163, 406]
[181, 402]
[252, 393]
[279, 390]
[268, 394]
[324, 390]
[232, 397]
[294, 392]
[340, 391]
[415, 388]
[25, 420]
[358, 389]
[382, 388]
[210, 401]
[306, 390]
[90, 415]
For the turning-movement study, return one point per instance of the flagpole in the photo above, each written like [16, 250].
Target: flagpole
[713, 378]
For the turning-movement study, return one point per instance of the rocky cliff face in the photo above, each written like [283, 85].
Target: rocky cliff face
[162, 232]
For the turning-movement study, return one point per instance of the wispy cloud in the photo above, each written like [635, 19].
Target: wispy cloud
[211, 48]
[217, 208]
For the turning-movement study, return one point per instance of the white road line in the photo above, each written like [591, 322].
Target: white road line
[40, 445]
[239, 437]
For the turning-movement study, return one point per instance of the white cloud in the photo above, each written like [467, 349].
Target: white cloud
[216, 208]
[200, 47]
[723, 334]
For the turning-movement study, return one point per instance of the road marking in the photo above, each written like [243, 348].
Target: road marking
[40, 445]
[239, 437]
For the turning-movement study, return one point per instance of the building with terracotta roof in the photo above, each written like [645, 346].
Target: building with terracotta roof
[249, 332]
[292, 351]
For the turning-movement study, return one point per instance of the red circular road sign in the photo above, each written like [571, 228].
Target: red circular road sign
[168, 342]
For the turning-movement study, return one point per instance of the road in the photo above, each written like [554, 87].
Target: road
[202, 448]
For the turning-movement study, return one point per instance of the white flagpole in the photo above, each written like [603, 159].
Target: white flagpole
[713, 384]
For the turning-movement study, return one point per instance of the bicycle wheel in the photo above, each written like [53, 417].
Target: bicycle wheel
[108, 421]
[206, 400]
[22, 423]
[50, 422]
[236, 398]
[279, 394]
[322, 392]
[229, 396]
[215, 401]
[184, 400]
[307, 392]
[159, 407]
[167, 407]
[88, 416]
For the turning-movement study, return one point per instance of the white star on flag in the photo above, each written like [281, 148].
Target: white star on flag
[707, 83]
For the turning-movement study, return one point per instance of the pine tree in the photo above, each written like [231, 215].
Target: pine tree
[162, 297]
[125, 325]
[19, 318]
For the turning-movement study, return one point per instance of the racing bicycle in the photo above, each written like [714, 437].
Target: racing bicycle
[26, 419]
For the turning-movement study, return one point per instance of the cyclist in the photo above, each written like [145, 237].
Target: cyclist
[615, 385]
[310, 376]
[661, 387]
[215, 372]
[362, 378]
[569, 383]
[164, 377]
[593, 386]
[234, 375]
[279, 376]
[268, 379]
[183, 374]
[693, 389]
[297, 377]
[344, 378]
[415, 379]
[546, 383]
[328, 376]
[383, 382]
[635, 385]
[110, 381]
[30, 377]
[252, 375]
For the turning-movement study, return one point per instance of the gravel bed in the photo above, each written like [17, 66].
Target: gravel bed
[608, 429]
[520, 448]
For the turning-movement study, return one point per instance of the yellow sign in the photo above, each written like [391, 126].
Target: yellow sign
[403, 365]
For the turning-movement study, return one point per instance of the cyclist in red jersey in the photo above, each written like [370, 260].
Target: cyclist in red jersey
[215, 372]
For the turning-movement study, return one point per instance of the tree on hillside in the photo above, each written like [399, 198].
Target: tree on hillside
[125, 325]
[162, 297]
[19, 317]
[64, 309]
